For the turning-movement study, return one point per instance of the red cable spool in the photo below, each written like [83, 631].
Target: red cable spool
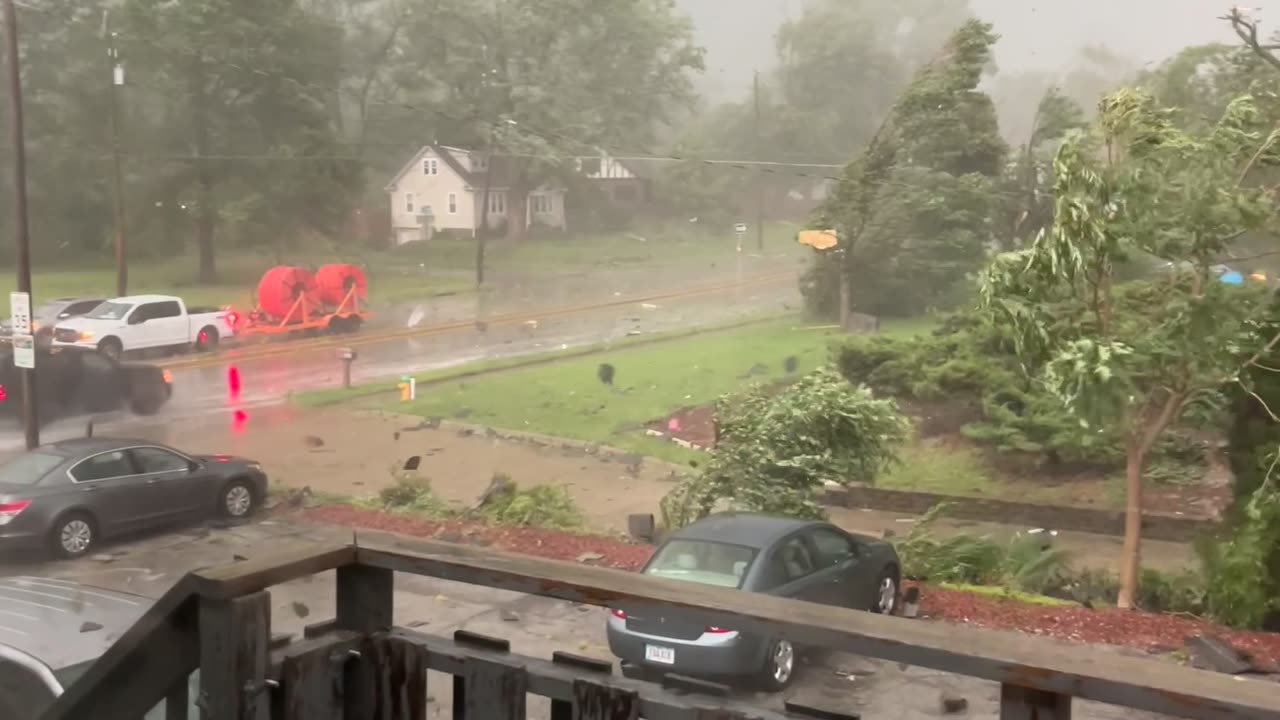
[333, 282]
[280, 288]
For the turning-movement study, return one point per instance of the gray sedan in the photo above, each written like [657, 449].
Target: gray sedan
[68, 495]
[805, 560]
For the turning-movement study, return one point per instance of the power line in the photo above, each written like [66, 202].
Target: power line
[356, 158]
[767, 167]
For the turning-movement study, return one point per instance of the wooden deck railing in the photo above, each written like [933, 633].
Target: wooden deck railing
[360, 666]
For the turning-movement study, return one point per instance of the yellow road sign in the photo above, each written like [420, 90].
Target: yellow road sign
[819, 239]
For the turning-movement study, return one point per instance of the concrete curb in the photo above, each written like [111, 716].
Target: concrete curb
[575, 447]
[1170, 528]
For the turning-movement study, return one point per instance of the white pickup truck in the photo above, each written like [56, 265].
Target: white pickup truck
[141, 322]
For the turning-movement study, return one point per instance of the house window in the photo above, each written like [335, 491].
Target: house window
[541, 204]
[430, 166]
[408, 202]
[453, 203]
[497, 203]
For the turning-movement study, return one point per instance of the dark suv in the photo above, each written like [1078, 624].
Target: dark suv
[76, 381]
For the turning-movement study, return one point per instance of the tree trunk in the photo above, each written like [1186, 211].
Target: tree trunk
[1141, 439]
[204, 230]
[1130, 561]
[206, 217]
[517, 214]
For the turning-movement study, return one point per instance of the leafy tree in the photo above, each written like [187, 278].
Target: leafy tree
[775, 451]
[920, 198]
[1028, 181]
[540, 82]
[1130, 358]
[840, 67]
[241, 78]
[65, 87]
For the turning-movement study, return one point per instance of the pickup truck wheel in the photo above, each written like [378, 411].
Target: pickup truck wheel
[111, 347]
[207, 339]
[148, 400]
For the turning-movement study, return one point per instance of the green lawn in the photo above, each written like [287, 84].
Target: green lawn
[657, 247]
[567, 399]
[415, 271]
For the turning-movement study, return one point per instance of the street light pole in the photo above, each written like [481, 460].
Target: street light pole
[21, 226]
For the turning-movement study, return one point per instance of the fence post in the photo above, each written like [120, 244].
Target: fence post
[1022, 703]
[235, 636]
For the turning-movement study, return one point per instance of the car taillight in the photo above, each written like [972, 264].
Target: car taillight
[232, 318]
[618, 614]
[10, 510]
[168, 376]
[713, 630]
[3, 395]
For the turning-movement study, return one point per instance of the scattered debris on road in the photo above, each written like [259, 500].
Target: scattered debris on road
[952, 703]
[1210, 652]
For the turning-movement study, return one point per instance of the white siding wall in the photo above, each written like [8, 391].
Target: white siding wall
[434, 191]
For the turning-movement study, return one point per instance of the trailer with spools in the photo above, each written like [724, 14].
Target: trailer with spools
[295, 301]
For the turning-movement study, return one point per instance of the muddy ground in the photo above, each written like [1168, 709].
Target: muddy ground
[336, 451]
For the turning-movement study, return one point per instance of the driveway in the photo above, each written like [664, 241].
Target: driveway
[535, 626]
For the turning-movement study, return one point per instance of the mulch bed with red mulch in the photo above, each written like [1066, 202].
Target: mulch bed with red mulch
[1150, 632]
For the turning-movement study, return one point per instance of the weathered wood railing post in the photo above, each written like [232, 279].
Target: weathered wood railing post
[235, 638]
[1020, 703]
[387, 678]
[489, 689]
[365, 598]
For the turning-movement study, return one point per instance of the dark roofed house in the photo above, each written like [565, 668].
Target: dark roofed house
[627, 183]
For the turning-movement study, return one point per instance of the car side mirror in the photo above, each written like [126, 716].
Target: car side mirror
[193, 466]
[135, 320]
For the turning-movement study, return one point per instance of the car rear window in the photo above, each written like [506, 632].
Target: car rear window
[27, 469]
[702, 561]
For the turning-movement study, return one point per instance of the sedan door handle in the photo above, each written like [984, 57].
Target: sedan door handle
[91, 488]
[153, 481]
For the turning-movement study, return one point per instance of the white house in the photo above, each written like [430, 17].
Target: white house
[440, 188]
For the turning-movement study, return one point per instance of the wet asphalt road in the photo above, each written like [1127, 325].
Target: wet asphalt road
[266, 377]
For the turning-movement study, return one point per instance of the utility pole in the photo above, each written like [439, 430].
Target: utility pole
[755, 93]
[21, 227]
[117, 183]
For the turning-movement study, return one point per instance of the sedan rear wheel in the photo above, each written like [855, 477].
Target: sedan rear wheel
[780, 666]
[73, 536]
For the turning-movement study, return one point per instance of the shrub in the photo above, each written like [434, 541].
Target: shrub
[1244, 570]
[548, 506]
[970, 361]
[412, 493]
[776, 450]
[1027, 563]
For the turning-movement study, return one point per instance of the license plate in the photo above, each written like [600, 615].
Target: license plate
[659, 654]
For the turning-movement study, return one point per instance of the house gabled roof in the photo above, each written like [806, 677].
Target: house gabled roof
[444, 152]
[501, 169]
